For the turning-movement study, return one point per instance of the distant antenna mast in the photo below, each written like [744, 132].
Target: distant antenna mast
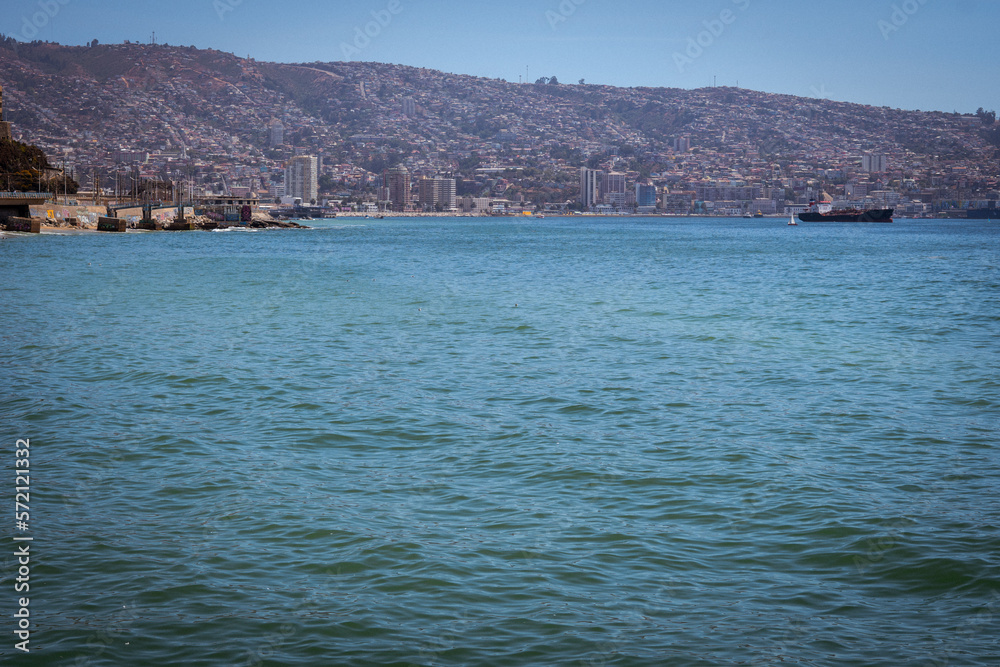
[152, 40]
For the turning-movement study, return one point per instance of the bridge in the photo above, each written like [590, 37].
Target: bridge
[18, 204]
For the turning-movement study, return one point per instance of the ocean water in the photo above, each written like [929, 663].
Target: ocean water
[507, 442]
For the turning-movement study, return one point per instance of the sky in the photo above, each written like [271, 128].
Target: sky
[911, 54]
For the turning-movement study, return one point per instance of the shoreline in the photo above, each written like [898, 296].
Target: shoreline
[48, 229]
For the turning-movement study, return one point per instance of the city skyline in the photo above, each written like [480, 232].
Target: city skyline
[908, 54]
[226, 125]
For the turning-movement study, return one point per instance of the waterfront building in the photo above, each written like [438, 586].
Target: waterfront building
[679, 202]
[589, 180]
[612, 183]
[301, 178]
[645, 197]
[397, 180]
[475, 204]
[437, 192]
[617, 200]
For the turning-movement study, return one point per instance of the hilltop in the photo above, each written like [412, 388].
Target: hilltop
[89, 101]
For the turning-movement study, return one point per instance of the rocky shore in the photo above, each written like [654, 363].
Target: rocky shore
[258, 221]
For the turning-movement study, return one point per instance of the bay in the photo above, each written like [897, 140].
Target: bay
[509, 442]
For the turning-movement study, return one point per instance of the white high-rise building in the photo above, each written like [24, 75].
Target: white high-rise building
[302, 178]
[589, 191]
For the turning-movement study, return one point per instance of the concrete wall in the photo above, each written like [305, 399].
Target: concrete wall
[135, 214]
[64, 211]
[32, 226]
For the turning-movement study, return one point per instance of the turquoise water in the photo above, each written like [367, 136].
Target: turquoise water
[541, 442]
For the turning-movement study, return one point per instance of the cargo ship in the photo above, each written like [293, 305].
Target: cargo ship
[818, 214]
[991, 213]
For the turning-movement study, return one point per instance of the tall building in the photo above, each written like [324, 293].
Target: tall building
[874, 164]
[682, 144]
[645, 196]
[437, 191]
[276, 134]
[397, 180]
[301, 178]
[612, 184]
[409, 107]
[589, 192]
[4, 125]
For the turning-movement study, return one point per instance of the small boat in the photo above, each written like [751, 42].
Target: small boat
[791, 220]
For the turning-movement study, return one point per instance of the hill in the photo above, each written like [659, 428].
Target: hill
[91, 100]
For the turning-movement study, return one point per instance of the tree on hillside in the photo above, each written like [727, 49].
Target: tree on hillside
[61, 185]
[22, 168]
[15, 156]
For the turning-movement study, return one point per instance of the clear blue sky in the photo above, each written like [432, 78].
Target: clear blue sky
[911, 54]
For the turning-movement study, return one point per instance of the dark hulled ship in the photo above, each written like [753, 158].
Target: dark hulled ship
[817, 214]
[990, 213]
